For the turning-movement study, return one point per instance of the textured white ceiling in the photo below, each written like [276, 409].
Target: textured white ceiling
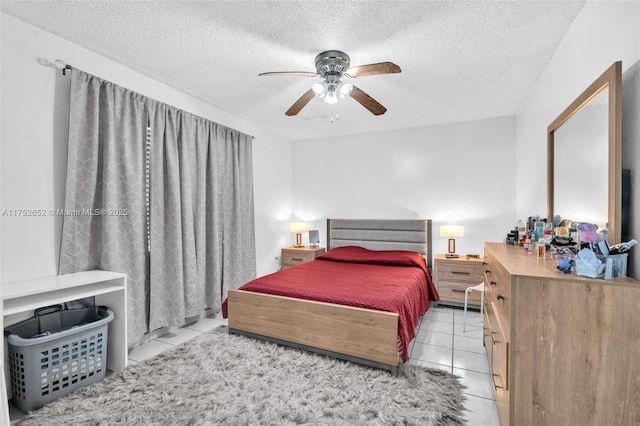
[460, 60]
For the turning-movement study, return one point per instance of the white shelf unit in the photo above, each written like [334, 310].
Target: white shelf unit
[109, 289]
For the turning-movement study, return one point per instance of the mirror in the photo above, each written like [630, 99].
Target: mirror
[584, 161]
[580, 150]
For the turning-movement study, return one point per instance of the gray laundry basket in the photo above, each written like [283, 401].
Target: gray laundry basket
[53, 354]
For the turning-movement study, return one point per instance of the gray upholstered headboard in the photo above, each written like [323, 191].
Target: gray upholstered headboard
[382, 234]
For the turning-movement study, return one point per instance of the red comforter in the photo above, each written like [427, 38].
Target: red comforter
[392, 281]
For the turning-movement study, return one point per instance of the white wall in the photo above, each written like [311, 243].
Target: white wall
[603, 33]
[458, 173]
[33, 148]
[273, 201]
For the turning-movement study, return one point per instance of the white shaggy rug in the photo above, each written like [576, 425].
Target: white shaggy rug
[222, 379]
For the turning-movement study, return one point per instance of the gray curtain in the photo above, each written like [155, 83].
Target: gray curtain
[104, 227]
[201, 208]
[202, 224]
[233, 159]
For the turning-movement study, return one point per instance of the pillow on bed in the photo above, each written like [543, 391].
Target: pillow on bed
[356, 254]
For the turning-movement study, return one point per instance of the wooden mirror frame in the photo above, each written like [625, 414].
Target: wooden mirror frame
[611, 79]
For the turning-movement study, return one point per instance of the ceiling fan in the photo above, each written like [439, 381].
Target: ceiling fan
[332, 67]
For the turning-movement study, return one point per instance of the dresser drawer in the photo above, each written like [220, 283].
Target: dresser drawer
[498, 288]
[502, 403]
[290, 258]
[503, 293]
[454, 292]
[497, 347]
[499, 353]
[486, 333]
[293, 256]
[496, 342]
[457, 271]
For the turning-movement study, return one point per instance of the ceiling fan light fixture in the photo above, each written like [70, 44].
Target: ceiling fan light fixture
[319, 90]
[345, 90]
[331, 98]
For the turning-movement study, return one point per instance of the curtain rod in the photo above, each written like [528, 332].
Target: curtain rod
[62, 65]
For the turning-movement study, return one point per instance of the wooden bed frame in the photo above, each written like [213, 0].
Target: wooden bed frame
[360, 335]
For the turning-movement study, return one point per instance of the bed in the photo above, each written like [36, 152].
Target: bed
[296, 307]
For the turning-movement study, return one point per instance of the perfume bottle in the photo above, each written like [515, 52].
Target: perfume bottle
[541, 248]
[527, 244]
[548, 233]
[520, 227]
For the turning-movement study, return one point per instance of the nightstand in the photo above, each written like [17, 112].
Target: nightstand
[292, 256]
[453, 276]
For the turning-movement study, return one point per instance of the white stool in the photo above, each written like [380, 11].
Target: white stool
[480, 288]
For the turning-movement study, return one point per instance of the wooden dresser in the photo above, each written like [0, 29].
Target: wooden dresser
[563, 349]
[292, 256]
[454, 275]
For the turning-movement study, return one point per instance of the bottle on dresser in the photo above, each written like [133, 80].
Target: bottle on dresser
[520, 227]
[528, 245]
[541, 248]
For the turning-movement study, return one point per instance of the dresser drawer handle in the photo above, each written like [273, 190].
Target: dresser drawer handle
[297, 259]
[500, 297]
[461, 272]
[493, 283]
[486, 271]
[457, 290]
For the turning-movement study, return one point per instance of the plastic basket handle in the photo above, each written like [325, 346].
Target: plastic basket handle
[48, 310]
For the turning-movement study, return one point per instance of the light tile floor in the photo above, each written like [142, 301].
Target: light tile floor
[440, 343]
[174, 338]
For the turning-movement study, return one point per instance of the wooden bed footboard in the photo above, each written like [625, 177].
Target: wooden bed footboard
[356, 334]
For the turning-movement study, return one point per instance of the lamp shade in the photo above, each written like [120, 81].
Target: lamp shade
[452, 231]
[297, 227]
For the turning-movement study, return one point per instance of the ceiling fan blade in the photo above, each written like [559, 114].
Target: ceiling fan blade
[367, 101]
[372, 69]
[300, 103]
[298, 73]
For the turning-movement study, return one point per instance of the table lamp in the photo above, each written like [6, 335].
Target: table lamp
[298, 228]
[452, 231]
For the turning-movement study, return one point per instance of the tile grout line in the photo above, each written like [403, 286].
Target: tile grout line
[453, 339]
[159, 340]
[478, 396]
